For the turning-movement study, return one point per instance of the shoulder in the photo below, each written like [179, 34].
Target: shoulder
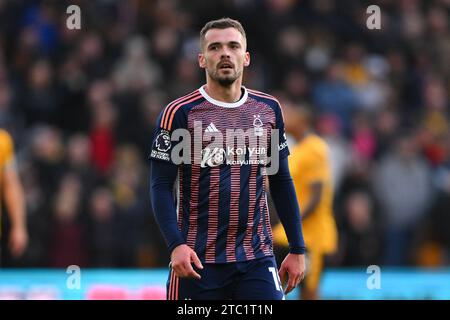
[263, 97]
[178, 108]
[267, 99]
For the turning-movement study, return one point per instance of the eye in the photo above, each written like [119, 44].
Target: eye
[234, 46]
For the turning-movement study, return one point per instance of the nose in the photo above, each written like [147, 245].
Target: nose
[225, 53]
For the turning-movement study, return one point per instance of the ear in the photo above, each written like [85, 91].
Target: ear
[201, 60]
[247, 59]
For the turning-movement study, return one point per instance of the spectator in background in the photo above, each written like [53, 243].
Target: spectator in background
[42, 171]
[10, 118]
[90, 54]
[402, 185]
[363, 138]
[435, 120]
[78, 160]
[38, 215]
[103, 135]
[290, 44]
[360, 234]
[434, 238]
[297, 86]
[47, 153]
[129, 194]
[42, 20]
[135, 72]
[333, 95]
[386, 126]
[41, 98]
[187, 76]
[73, 113]
[329, 128]
[439, 37]
[374, 93]
[354, 71]
[165, 41]
[101, 235]
[67, 240]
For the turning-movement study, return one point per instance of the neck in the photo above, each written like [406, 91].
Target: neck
[227, 94]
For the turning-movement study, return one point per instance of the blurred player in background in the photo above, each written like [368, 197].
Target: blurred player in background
[221, 220]
[310, 169]
[12, 194]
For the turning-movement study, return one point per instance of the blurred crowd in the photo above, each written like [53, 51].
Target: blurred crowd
[81, 106]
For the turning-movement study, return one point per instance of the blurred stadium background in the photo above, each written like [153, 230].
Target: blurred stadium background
[81, 106]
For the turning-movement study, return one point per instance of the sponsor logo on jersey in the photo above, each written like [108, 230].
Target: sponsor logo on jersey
[211, 128]
[212, 157]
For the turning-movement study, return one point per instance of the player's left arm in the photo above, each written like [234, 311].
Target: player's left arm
[284, 197]
[15, 205]
[283, 193]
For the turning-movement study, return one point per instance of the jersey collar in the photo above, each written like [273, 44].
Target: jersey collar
[222, 103]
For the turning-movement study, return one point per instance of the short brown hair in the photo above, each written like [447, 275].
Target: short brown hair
[222, 23]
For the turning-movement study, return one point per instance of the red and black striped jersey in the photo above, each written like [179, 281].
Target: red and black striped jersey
[221, 196]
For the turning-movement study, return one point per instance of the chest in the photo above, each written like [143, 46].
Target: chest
[231, 134]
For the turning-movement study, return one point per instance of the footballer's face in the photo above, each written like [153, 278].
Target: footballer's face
[224, 55]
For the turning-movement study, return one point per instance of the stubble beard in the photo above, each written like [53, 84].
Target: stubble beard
[224, 80]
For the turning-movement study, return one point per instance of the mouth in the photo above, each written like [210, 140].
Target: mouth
[226, 65]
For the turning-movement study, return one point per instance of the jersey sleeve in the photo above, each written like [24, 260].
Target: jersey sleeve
[283, 148]
[162, 145]
[283, 193]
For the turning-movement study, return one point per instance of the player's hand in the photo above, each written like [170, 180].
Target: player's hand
[18, 241]
[181, 259]
[294, 266]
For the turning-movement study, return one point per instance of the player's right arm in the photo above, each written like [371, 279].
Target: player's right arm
[163, 176]
[163, 173]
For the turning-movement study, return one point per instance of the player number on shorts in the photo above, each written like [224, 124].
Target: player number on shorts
[276, 278]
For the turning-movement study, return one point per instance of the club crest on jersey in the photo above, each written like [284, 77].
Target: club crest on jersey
[257, 125]
[212, 157]
[163, 141]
